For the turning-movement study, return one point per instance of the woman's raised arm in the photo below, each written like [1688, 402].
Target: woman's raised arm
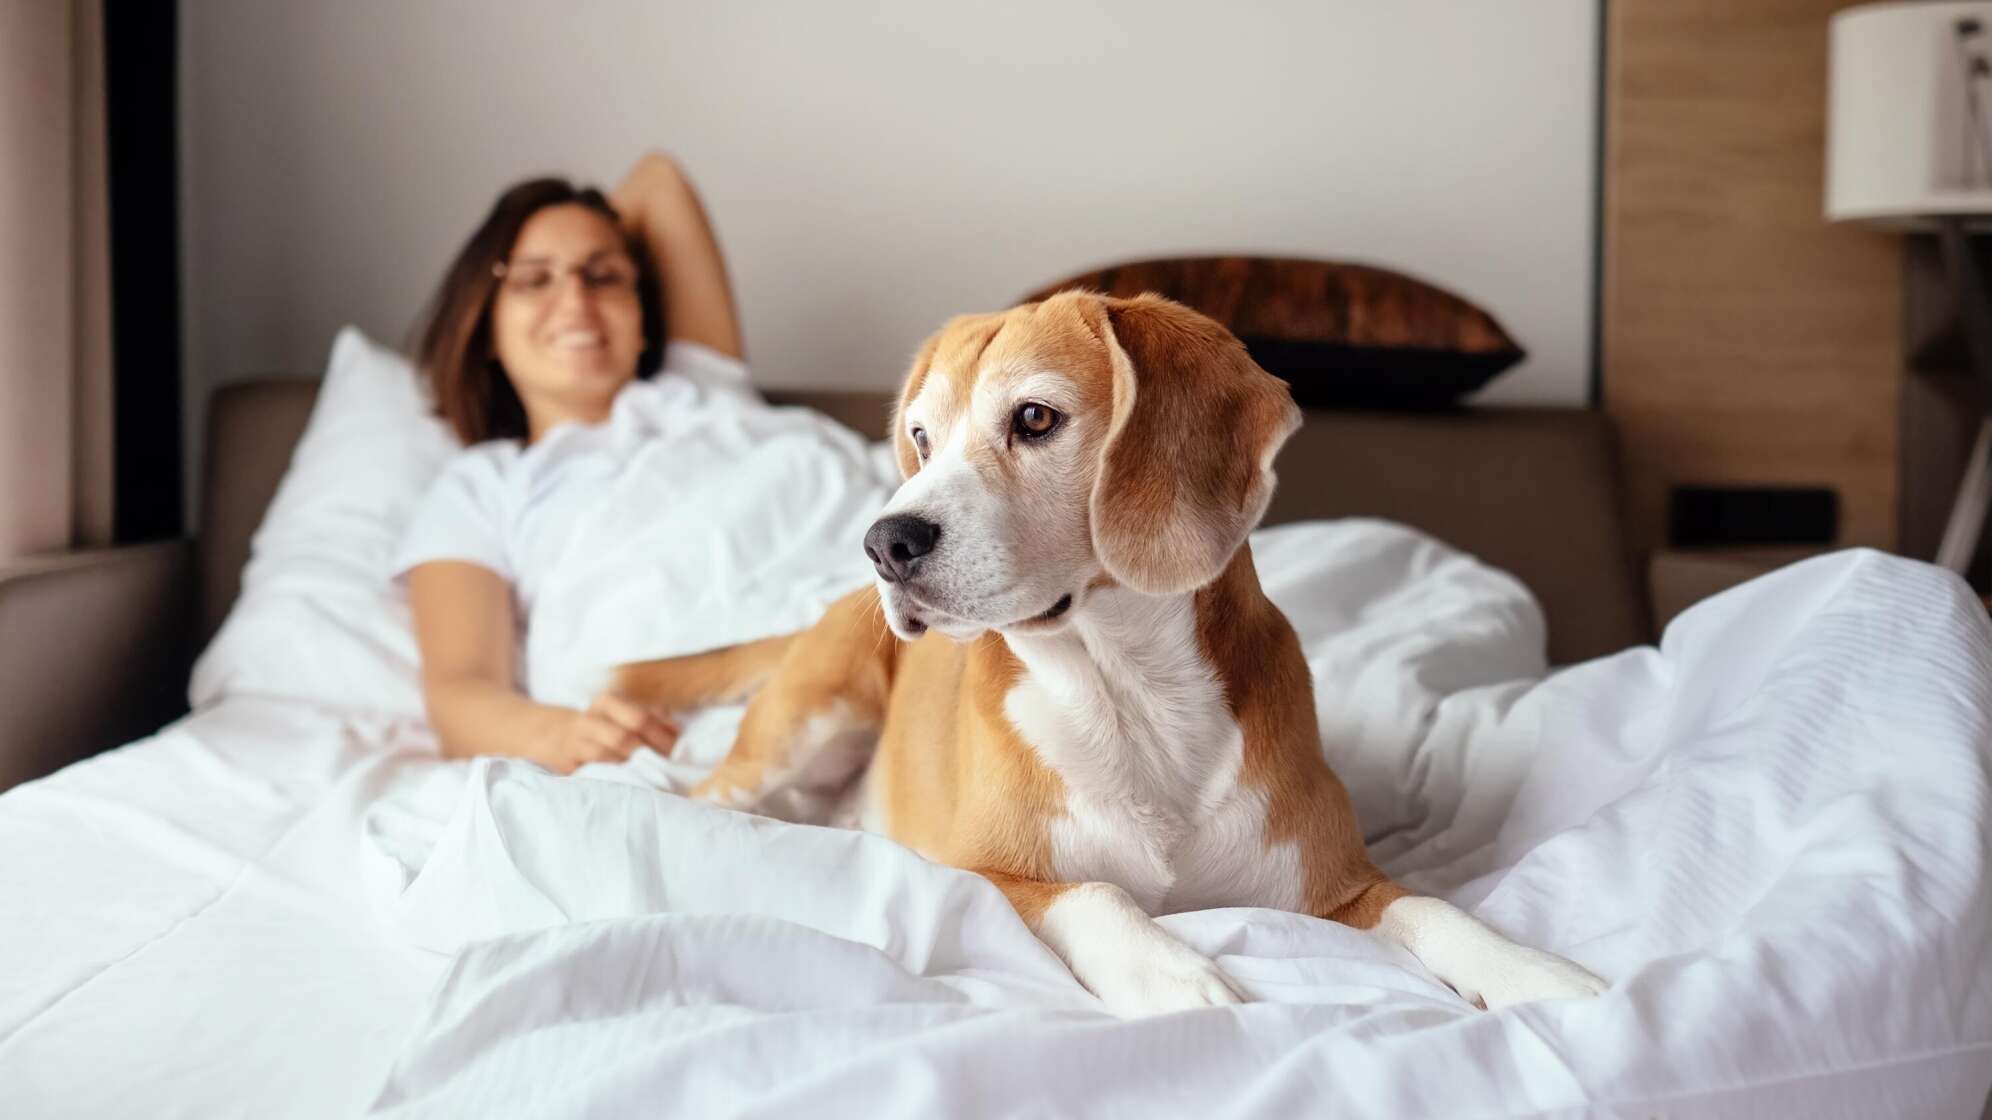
[658, 204]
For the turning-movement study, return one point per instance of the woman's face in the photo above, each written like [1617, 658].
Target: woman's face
[566, 322]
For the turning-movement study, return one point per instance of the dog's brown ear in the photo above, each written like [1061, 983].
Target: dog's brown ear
[1186, 470]
[902, 443]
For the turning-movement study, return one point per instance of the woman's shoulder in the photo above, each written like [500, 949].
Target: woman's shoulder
[465, 511]
[703, 364]
[480, 466]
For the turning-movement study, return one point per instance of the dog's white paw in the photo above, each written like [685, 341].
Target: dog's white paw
[723, 794]
[1484, 967]
[1520, 974]
[1158, 982]
[1118, 952]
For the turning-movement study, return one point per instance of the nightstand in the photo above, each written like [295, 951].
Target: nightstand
[1677, 580]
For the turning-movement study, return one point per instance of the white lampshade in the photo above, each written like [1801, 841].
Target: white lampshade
[1909, 113]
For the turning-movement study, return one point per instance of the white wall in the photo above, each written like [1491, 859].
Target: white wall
[874, 166]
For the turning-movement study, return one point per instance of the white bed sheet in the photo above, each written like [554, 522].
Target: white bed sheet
[1770, 834]
[185, 929]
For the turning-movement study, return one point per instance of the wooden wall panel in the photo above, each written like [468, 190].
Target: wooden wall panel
[1744, 339]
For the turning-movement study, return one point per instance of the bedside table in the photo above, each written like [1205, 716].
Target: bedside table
[1677, 580]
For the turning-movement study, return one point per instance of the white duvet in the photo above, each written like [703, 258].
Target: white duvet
[1770, 834]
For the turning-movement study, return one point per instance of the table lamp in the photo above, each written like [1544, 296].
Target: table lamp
[1909, 148]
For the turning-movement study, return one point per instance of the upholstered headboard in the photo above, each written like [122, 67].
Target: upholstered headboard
[1533, 491]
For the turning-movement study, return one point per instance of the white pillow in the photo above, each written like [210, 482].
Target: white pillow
[319, 617]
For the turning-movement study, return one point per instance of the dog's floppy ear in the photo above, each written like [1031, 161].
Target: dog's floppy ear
[1186, 470]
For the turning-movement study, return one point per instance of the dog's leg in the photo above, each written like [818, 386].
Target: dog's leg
[1115, 949]
[701, 680]
[1485, 968]
[812, 727]
[793, 761]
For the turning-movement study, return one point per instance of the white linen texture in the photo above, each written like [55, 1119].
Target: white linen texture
[1768, 834]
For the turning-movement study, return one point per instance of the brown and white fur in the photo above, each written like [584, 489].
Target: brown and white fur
[1079, 689]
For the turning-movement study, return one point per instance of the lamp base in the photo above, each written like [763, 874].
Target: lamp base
[1974, 492]
[1974, 497]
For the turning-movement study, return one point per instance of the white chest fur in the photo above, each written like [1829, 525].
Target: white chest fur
[1124, 707]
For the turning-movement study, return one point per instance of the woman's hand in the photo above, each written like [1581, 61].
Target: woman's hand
[654, 171]
[609, 730]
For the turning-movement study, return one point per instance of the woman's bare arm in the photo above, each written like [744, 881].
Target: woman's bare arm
[464, 626]
[658, 204]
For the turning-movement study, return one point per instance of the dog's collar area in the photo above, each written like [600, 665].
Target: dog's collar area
[917, 626]
[1064, 604]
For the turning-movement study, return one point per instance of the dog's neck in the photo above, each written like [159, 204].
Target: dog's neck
[1123, 702]
[1136, 642]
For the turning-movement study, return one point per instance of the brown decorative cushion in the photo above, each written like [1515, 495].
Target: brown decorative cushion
[1341, 335]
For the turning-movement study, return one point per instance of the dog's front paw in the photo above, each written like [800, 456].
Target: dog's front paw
[1120, 955]
[1157, 983]
[1484, 967]
[716, 790]
[1519, 974]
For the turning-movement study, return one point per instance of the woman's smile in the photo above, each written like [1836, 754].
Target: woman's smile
[583, 339]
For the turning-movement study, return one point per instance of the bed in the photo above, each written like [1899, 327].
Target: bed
[1769, 831]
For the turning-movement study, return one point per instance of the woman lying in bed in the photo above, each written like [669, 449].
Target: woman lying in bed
[560, 299]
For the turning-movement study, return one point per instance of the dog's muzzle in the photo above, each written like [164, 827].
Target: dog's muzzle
[896, 545]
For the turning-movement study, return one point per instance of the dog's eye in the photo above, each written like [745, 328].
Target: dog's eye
[919, 436]
[1034, 421]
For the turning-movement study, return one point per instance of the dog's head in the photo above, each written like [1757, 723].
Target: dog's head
[1069, 445]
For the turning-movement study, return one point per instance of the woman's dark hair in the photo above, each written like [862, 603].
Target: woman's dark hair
[454, 349]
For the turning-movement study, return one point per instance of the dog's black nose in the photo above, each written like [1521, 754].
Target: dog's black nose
[896, 544]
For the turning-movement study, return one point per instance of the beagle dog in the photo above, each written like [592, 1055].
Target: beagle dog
[1067, 677]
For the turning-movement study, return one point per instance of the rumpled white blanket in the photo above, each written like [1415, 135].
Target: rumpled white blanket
[696, 516]
[1770, 834]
